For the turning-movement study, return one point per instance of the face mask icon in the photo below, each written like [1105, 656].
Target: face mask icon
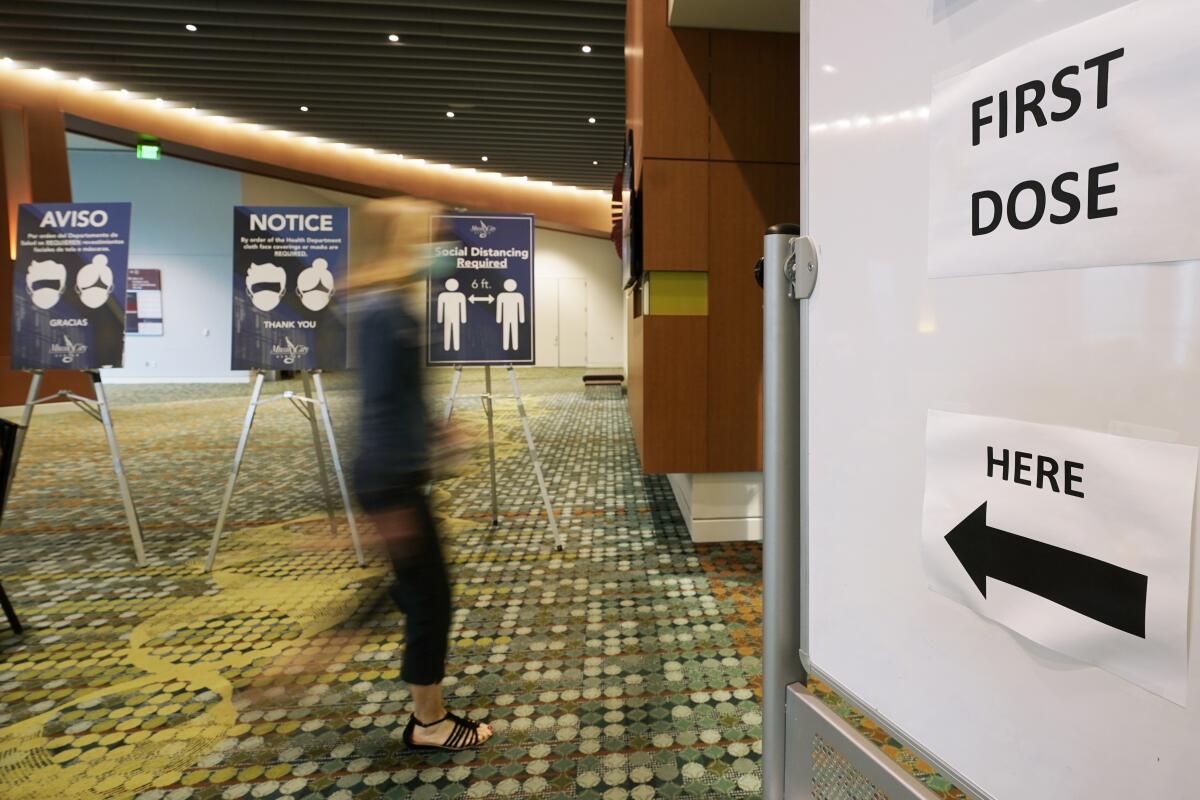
[265, 283]
[314, 286]
[45, 281]
[94, 283]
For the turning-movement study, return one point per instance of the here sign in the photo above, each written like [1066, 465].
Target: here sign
[1076, 150]
[1080, 541]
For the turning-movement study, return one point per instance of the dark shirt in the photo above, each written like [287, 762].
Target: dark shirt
[395, 433]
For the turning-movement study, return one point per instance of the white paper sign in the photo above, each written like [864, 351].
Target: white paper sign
[1080, 541]
[1076, 150]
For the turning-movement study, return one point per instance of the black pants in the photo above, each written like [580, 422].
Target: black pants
[422, 587]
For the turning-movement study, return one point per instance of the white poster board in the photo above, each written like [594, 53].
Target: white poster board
[1107, 349]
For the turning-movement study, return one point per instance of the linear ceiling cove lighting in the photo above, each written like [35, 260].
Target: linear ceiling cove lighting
[200, 117]
[587, 48]
[191, 28]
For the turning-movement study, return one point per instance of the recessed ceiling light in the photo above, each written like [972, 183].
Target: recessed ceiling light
[595, 163]
[191, 28]
[393, 38]
[587, 48]
[483, 158]
[450, 114]
[591, 120]
[828, 69]
[304, 108]
[124, 92]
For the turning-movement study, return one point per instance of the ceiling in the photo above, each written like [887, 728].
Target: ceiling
[513, 72]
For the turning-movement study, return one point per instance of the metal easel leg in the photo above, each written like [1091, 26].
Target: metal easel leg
[537, 462]
[35, 386]
[237, 465]
[309, 409]
[135, 524]
[487, 407]
[453, 394]
[449, 410]
[337, 466]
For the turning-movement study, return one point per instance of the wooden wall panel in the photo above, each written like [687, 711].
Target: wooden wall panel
[755, 97]
[49, 172]
[746, 200]
[635, 79]
[675, 374]
[675, 106]
[44, 150]
[675, 214]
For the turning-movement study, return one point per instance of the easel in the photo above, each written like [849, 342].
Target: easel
[98, 410]
[311, 408]
[486, 400]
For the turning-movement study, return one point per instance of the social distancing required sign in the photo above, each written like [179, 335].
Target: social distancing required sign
[481, 305]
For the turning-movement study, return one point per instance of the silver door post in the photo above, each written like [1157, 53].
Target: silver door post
[784, 462]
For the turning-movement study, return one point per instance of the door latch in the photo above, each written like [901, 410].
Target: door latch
[800, 269]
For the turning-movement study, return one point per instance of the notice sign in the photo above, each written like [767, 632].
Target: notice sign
[1077, 540]
[289, 288]
[1076, 150]
[481, 306]
[69, 285]
[143, 303]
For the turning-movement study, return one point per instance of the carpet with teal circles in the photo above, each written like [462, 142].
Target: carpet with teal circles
[625, 666]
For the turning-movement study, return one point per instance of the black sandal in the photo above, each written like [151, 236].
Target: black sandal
[464, 736]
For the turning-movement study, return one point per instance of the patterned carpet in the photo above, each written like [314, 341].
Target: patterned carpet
[624, 666]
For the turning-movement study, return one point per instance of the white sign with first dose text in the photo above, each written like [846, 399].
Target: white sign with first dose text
[1075, 150]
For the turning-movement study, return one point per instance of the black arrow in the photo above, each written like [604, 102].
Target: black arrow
[1105, 592]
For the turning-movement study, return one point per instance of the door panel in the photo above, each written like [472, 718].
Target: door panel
[572, 322]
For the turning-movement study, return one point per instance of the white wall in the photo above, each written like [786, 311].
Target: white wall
[564, 256]
[183, 225]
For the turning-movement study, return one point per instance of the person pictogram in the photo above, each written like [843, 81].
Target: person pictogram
[451, 314]
[510, 313]
[94, 283]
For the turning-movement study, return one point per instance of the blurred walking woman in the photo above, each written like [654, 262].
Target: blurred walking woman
[393, 463]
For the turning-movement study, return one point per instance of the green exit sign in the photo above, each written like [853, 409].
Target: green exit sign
[152, 152]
